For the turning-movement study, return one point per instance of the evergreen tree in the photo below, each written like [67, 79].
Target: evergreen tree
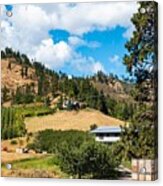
[9, 52]
[3, 55]
[9, 65]
[141, 61]
[47, 101]
[22, 72]
[25, 60]
[60, 102]
[5, 92]
[140, 137]
[26, 71]
[101, 105]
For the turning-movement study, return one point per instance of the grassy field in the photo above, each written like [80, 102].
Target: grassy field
[66, 120]
[46, 166]
[10, 154]
[7, 157]
[40, 165]
[28, 164]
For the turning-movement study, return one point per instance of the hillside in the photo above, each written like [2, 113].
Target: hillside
[114, 90]
[112, 86]
[26, 81]
[66, 120]
[12, 75]
[12, 79]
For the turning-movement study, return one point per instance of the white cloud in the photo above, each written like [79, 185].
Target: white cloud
[116, 66]
[76, 41]
[98, 67]
[86, 65]
[93, 44]
[114, 59]
[55, 55]
[129, 31]
[86, 17]
[27, 30]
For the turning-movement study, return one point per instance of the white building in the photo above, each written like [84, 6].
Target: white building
[107, 134]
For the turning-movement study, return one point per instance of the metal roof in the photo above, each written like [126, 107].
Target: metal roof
[107, 129]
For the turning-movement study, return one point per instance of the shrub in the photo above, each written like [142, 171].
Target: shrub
[93, 126]
[91, 159]
[78, 154]
[51, 141]
[14, 142]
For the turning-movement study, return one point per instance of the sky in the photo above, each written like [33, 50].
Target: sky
[79, 39]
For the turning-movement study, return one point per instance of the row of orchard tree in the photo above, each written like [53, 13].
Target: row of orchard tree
[12, 123]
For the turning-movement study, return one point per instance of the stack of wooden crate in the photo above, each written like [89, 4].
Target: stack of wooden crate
[144, 170]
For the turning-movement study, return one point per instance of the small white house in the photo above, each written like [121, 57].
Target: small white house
[107, 134]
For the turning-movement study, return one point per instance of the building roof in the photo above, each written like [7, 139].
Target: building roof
[107, 129]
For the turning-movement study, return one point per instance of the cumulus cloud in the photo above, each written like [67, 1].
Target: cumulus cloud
[85, 17]
[86, 65]
[28, 29]
[55, 55]
[76, 41]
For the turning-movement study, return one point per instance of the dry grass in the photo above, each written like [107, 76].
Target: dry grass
[7, 157]
[66, 120]
[28, 173]
[11, 155]
[21, 142]
[11, 78]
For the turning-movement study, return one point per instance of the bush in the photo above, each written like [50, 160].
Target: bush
[20, 98]
[78, 154]
[91, 159]
[52, 141]
[14, 142]
[93, 126]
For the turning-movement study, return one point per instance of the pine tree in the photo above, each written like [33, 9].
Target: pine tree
[3, 55]
[9, 65]
[5, 92]
[101, 105]
[140, 138]
[141, 62]
[26, 71]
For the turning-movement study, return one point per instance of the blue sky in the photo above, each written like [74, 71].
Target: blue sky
[110, 50]
[111, 45]
[78, 40]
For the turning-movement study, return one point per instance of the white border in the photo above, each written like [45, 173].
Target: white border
[57, 182]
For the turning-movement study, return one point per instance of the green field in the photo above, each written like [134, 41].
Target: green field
[47, 166]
